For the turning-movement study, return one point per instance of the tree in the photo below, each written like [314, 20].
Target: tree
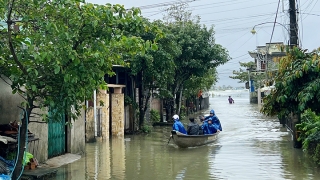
[154, 69]
[193, 84]
[243, 75]
[199, 54]
[297, 84]
[61, 52]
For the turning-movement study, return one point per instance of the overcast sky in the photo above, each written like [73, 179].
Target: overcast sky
[233, 21]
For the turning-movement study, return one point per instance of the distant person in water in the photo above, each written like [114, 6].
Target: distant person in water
[231, 101]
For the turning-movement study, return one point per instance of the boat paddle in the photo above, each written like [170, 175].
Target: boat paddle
[169, 139]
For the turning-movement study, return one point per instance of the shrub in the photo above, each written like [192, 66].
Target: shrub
[310, 134]
[154, 116]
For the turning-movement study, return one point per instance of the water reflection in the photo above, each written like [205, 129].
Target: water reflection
[251, 146]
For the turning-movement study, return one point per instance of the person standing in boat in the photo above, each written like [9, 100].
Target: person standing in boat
[193, 128]
[231, 101]
[177, 125]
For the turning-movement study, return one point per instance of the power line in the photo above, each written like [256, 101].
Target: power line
[239, 25]
[204, 5]
[311, 9]
[236, 18]
[207, 7]
[311, 14]
[151, 6]
[300, 18]
[275, 20]
[236, 9]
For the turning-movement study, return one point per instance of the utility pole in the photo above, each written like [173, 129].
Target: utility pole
[294, 42]
[293, 23]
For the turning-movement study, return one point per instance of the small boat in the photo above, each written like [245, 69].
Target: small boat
[185, 141]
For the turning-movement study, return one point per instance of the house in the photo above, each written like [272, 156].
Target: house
[50, 139]
[266, 59]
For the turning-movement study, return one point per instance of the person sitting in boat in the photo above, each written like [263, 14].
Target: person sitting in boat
[201, 124]
[215, 120]
[210, 128]
[177, 125]
[193, 128]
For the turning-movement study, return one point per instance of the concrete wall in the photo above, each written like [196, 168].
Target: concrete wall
[90, 125]
[103, 96]
[8, 104]
[10, 112]
[117, 108]
[156, 104]
[77, 135]
[253, 97]
[127, 117]
[39, 148]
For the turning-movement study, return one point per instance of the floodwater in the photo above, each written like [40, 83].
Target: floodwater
[251, 146]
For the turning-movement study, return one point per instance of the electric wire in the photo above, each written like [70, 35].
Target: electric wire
[168, 3]
[311, 14]
[194, 6]
[311, 9]
[275, 20]
[301, 24]
[236, 9]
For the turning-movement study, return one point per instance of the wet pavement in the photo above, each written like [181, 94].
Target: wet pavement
[251, 146]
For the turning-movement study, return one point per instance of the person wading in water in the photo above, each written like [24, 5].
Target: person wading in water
[231, 101]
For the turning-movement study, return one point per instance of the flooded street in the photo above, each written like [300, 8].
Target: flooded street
[251, 146]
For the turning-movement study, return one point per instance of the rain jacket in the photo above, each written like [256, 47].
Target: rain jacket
[193, 128]
[215, 121]
[178, 126]
[209, 129]
[230, 100]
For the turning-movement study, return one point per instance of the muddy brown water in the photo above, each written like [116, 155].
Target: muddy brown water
[250, 147]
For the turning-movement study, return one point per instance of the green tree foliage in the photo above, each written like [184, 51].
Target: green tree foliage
[242, 74]
[297, 84]
[62, 50]
[193, 84]
[250, 70]
[310, 133]
[155, 68]
[199, 54]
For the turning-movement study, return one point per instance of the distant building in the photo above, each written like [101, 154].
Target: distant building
[266, 59]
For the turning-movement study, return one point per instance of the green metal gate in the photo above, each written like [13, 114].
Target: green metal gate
[56, 137]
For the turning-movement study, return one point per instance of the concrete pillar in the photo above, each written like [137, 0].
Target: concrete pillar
[103, 96]
[117, 111]
[259, 97]
[90, 125]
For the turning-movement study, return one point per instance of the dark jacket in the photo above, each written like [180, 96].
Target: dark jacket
[193, 128]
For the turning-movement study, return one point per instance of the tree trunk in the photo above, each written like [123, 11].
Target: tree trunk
[21, 149]
[169, 104]
[141, 90]
[178, 110]
[22, 144]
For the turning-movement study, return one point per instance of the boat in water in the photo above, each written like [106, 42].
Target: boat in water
[185, 141]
